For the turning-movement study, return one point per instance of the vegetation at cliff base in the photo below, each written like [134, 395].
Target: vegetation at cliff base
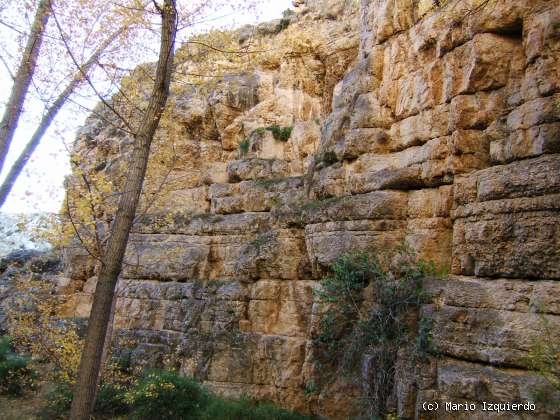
[370, 309]
[41, 362]
[165, 395]
[16, 376]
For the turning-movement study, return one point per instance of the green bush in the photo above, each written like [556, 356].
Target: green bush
[15, 374]
[166, 395]
[244, 147]
[245, 409]
[110, 401]
[57, 402]
[163, 395]
[283, 24]
[257, 133]
[424, 340]
[349, 328]
[322, 160]
[280, 133]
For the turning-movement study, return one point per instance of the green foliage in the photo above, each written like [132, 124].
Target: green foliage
[160, 394]
[280, 133]
[310, 388]
[258, 132]
[544, 357]
[283, 24]
[424, 341]
[166, 395]
[123, 361]
[262, 240]
[58, 402]
[351, 327]
[110, 401]
[245, 409]
[244, 146]
[274, 201]
[325, 159]
[15, 374]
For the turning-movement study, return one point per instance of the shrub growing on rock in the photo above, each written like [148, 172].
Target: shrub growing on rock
[351, 327]
[280, 133]
[244, 147]
[15, 374]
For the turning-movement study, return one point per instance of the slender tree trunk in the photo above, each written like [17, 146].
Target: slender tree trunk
[48, 118]
[108, 335]
[22, 80]
[84, 392]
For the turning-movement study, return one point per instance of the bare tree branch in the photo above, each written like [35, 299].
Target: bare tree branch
[87, 78]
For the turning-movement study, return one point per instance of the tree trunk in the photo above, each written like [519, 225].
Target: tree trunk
[48, 118]
[22, 80]
[84, 392]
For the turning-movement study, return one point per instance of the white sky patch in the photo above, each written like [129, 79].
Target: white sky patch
[40, 187]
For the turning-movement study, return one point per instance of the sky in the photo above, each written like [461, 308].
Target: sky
[40, 187]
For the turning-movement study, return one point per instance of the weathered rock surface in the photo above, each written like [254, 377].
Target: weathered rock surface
[436, 127]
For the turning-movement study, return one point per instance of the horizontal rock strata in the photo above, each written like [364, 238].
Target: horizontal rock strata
[434, 127]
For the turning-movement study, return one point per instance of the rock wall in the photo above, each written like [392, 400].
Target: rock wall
[436, 127]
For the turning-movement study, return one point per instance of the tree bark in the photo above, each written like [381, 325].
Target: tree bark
[48, 118]
[23, 77]
[84, 392]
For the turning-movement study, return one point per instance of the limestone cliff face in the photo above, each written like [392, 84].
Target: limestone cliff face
[439, 128]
